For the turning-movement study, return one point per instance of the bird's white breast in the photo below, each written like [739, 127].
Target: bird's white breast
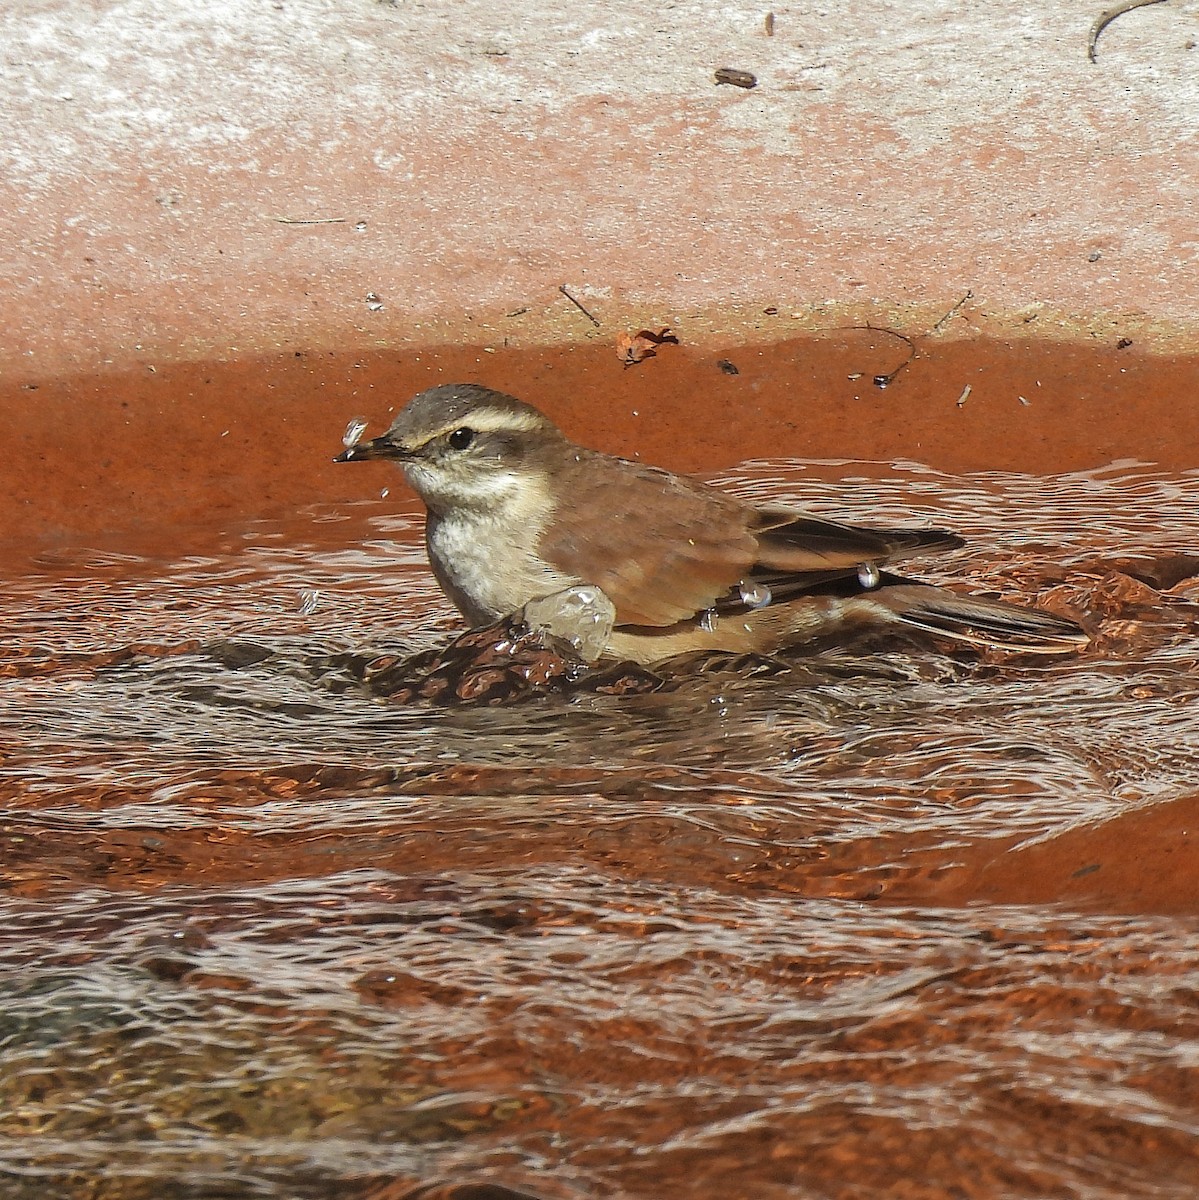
[485, 556]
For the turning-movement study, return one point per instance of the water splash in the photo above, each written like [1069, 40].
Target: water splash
[354, 431]
[582, 616]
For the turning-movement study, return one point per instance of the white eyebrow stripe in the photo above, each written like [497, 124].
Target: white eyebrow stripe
[482, 420]
[499, 420]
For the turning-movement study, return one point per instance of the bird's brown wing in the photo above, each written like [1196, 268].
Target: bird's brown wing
[665, 548]
[662, 547]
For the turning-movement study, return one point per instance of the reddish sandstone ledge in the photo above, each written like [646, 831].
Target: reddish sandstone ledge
[220, 443]
[1144, 861]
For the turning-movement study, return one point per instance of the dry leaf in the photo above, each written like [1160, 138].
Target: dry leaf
[633, 347]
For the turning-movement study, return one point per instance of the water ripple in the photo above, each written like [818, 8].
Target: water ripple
[757, 935]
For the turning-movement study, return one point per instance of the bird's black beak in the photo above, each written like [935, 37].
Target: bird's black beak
[378, 447]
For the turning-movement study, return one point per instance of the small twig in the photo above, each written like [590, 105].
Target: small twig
[741, 79]
[310, 220]
[953, 311]
[593, 320]
[883, 381]
[1106, 18]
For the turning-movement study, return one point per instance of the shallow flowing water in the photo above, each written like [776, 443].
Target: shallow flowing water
[901, 923]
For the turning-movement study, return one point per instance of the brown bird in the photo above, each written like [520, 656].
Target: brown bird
[517, 512]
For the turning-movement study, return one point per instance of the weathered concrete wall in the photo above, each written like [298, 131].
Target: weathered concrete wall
[469, 157]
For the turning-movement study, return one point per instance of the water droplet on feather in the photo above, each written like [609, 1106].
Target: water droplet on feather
[756, 595]
[869, 575]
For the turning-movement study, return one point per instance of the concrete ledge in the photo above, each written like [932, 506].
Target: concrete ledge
[461, 161]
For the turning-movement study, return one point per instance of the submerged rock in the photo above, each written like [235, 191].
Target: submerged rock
[498, 664]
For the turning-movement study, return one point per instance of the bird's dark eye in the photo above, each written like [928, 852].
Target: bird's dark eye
[461, 438]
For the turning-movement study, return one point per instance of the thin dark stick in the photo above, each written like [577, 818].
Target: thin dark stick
[945, 319]
[1106, 18]
[882, 381]
[562, 289]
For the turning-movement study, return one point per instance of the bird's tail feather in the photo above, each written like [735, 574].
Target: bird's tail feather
[980, 622]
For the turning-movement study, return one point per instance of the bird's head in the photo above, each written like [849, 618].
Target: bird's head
[463, 446]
